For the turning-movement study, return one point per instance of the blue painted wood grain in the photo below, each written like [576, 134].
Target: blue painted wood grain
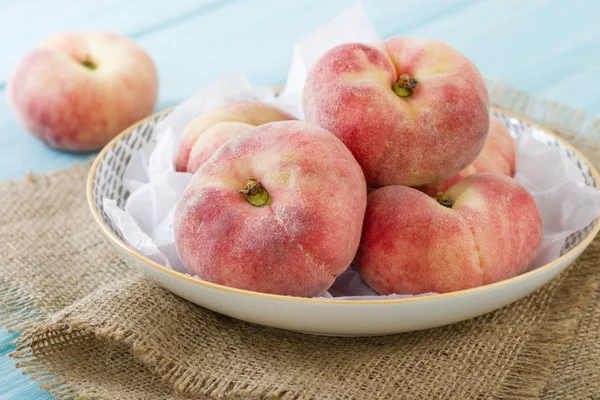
[547, 47]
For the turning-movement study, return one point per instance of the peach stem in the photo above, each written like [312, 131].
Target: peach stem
[404, 86]
[88, 63]
[256, 194]
[443, 200]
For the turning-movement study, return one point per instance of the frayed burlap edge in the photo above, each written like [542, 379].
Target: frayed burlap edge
[182, 381]
[527, 377]
[17, 308]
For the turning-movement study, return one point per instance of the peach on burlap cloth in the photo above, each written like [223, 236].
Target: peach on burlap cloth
[93, 327]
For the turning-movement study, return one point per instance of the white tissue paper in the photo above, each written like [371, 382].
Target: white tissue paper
[146, 222]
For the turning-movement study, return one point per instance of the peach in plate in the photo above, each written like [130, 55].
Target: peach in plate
[277, 209]
[412, 111]
[484, 229]
[212, 129]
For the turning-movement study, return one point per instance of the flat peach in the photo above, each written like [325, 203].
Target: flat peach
[252, 113]
[276, 209]
[485, 229]
[412, 111]
[498, 155]
[213, 138]
[77, 90]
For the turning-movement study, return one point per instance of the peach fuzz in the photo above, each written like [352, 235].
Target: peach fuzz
[253, 113]
[498, 155]
[485, 229]
[77, 90]
[277, 209]
[412, 111]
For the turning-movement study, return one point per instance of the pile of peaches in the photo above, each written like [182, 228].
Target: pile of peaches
[399, 168]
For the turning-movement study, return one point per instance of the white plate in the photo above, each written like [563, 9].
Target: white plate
[329, 316]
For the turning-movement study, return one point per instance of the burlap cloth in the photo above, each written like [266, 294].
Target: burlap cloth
[93, 327]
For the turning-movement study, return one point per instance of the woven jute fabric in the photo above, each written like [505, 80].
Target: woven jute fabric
[93, 327]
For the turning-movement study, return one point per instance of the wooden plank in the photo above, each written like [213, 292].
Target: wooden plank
[538, 46]
[228, 40]
[23, 23]
[13, 385]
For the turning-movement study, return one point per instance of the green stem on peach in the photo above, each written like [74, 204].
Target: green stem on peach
[256, 194]
[88, 63]
[404, 86]
[443, 200]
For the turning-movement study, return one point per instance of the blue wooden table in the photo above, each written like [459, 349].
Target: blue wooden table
[549, 48]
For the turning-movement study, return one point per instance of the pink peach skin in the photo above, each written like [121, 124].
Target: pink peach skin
[296, 245]
[411, 244]
[429, 136]
[498, 155]
[77, 90]
[253, 113]
[213, 138]
[501, 148]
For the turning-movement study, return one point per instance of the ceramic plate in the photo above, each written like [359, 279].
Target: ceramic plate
[329, 316]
